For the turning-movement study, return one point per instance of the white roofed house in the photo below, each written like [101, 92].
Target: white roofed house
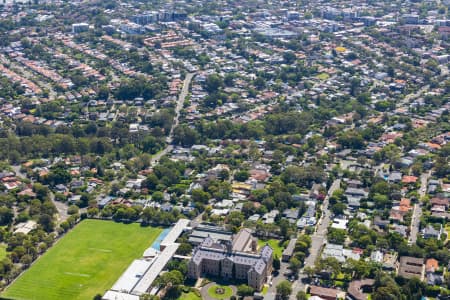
[339, 252]
[339, 224]
[376, 256]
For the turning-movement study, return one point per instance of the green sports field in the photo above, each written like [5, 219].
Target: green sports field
[87, 261]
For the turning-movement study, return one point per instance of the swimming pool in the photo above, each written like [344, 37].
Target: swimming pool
[160, 238]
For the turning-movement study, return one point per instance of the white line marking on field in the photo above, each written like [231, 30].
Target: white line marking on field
[77, 274]
[101, 250]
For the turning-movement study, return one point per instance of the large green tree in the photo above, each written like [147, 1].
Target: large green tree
[284, 289]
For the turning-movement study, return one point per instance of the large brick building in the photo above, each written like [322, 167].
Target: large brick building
[237, 259]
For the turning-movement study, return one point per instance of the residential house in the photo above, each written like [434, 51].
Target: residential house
[103, 201]
[338, 252]
[309, 218]
[433, 186]
[394, 177]
[254, 217]
[269, 218]
[433, 278]
[390, 261]
[376, 256]
[431, 232]
[406, 179]
[354, 196]
[339, 224]
[439, 207]
[380, 223]
[399, 211]
[291, 215]
[431, 265]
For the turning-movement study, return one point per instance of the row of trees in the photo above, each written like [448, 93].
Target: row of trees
[34, 143]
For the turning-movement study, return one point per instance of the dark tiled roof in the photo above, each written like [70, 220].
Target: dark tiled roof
[354, 288]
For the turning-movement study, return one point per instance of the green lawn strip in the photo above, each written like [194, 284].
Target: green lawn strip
[447, 230]
[87, 261]
[2, 251]
[228, 292]
[189, 296]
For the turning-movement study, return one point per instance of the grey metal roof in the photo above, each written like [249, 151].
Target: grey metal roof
[266, 252]
[132, 275]
[290, 247]
[260, 266]
[158, 265]
[244, 260]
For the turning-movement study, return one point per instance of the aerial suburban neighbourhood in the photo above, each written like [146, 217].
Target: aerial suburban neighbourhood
[195, 149]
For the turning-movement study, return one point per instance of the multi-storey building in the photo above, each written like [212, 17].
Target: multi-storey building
[237, 260]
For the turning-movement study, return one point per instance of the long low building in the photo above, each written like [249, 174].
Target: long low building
[157, 266]
[131, 277]
[140, 275]
[289, 251]
[203, 231]
[113, 295]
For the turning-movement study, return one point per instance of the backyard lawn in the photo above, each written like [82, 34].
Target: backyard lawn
[85, 262]
[323, 76]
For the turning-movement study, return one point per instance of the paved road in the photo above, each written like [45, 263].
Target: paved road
[16, 170]
[417, 212]
[179, 106]
[199, 218]
[61, 208]
[317, 240]
[181, 98]
[277, 279]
